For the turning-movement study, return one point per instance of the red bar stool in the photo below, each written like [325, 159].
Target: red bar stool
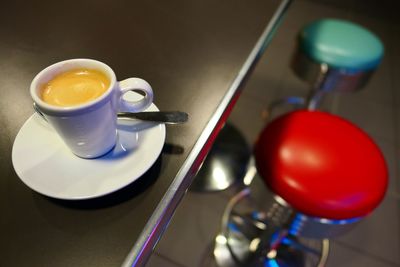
[326, 175]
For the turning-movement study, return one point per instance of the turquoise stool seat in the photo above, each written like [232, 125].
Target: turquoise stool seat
[341, 44]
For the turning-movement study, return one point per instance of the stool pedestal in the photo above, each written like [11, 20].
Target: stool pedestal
[243, 228]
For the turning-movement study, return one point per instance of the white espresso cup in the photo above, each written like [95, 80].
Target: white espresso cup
[90, 129]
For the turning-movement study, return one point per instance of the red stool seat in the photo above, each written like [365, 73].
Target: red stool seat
[322, 165]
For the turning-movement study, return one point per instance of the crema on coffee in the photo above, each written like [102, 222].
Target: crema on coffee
[75, 87]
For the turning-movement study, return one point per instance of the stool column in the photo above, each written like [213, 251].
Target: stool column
[316, 95]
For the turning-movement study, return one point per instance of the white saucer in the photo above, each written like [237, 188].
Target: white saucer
[45, 164]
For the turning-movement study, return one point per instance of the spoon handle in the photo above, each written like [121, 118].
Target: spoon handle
[168, 117]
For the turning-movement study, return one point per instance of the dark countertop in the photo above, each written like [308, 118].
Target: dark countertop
[190, 51]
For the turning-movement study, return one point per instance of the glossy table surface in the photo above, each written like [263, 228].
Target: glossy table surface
[195, 54]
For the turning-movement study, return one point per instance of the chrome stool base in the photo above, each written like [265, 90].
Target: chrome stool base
[291, 253]
[240, 238]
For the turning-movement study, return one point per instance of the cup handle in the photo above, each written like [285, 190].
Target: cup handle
[135, 84]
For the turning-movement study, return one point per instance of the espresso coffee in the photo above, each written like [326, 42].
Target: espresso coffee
[75, 87]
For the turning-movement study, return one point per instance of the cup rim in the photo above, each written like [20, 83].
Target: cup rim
[58, 68]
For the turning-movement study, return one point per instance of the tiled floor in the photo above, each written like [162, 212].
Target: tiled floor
[374, 242]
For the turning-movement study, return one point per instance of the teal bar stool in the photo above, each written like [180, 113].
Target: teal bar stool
[334, 56]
